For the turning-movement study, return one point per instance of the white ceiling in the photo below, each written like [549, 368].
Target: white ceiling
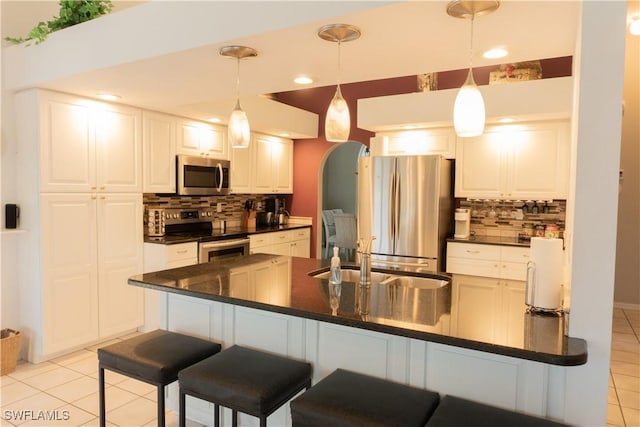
[398, 39]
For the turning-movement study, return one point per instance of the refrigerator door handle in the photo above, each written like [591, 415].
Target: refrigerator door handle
[392, 207]
[398, 200]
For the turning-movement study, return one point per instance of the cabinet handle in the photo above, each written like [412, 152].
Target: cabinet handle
[94, 187]
[93, 197]
[495, 265]
[472, 252]
[102, 187]
[184, 251]
[504, 266]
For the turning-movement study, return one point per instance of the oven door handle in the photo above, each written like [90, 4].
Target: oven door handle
[221, 244]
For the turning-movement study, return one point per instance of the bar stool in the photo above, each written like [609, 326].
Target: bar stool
[154, 358]
[349, 399]
[244, 380]
[456, 412]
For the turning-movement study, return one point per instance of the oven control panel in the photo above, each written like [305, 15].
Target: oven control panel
[157, 219]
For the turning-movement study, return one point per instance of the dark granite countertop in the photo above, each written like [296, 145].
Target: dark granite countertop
[229, 233]
[494, 240]
[382, 308]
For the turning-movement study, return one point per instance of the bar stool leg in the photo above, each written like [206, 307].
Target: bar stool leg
[234, 418]
[216, 415]
[160, 406]
[103, 417]
[263, 421]
[181, 408]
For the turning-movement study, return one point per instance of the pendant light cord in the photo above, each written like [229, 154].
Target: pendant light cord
[238, 80]
[473, 15]
[339, 61]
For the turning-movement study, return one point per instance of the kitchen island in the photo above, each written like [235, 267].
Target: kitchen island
[274, 303]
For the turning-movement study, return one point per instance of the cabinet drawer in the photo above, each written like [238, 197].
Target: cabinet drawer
[473, 267]
[259, 240]
[302, 233]
[281, 237]
[182, 251]
[473, 251]
[515, 254]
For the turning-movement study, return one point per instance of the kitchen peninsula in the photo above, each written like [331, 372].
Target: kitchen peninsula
[273, 303]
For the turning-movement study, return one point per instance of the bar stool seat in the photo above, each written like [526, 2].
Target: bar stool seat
[349, 399]
[244, 380]
[456, 412]
[154, 358]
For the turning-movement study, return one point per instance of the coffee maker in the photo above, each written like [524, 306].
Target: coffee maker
[275, 210]
[463, 223]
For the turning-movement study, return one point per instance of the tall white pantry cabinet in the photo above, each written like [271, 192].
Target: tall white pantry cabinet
[80, 192]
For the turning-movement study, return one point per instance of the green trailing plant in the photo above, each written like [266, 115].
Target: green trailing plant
[72, 12]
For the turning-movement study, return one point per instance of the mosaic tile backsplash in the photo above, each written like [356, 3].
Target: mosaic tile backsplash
[501, 218]
[232, 205]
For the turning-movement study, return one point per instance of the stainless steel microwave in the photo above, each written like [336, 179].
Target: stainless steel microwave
[201, 176]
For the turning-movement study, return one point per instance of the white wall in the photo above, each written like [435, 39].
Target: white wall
[627, 288]
[599, 73]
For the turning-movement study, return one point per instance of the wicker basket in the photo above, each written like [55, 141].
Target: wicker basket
[9, 347]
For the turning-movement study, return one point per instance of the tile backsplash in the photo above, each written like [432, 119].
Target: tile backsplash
[232, 205]
[499, 217]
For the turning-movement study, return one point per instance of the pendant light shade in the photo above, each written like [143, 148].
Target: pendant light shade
[238, 130]
[337, 123]
[468, 109]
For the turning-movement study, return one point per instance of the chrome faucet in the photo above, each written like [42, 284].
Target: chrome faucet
[364, 249]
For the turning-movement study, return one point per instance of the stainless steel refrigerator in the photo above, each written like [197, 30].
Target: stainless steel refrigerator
[406, 202]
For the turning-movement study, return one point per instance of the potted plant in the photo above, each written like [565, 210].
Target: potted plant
[72, 12]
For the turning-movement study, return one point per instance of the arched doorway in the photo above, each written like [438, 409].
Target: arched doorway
[338, 186]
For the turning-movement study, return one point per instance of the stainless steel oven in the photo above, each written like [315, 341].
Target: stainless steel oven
[218, 250]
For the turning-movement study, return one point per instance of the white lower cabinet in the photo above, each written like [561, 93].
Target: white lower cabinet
[91, 245]
[511, 383]
[296, 242]
[488, 284]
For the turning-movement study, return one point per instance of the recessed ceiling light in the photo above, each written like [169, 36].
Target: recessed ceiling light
[495, 53]
[507, 120]
[108, 96]
[409, 127]
[285, 135]
[634, 26]
[214, 120]
[303, 80]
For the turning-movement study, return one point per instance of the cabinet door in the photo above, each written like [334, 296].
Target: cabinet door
[539, 167]
[262, 165]
[241, 170]
[213, 142]
[188, 137]
[281, 281]
[476, 298]
[440, 141]
[67, 144]
[513, 310]
[118, 149]
[159, 152]
[69, 271]
[282, 165]
[479, 167]
[120, 238]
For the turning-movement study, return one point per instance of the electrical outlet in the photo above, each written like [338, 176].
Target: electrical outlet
[219, 207]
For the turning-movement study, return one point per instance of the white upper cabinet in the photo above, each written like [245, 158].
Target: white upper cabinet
[241, 170]
[87, 145]
[201, 139]
[440, 141]
[519, 161]
[272, 164]
[159, 152]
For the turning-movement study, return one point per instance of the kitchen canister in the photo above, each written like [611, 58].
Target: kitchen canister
[545, 275]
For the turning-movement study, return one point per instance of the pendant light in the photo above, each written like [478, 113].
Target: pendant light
[337, 123]
[468, 109]
[238, 129]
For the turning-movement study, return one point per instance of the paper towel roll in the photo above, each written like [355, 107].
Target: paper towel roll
[545, 274]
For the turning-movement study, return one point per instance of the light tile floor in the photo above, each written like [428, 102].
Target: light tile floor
[64, 392]
[66, 388]
[624, 370]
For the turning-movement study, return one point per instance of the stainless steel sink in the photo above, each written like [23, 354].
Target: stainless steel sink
[416, 282]
[353, 276]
